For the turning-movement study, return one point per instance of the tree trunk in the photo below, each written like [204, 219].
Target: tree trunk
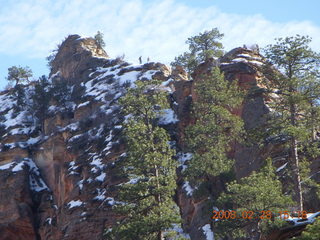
[296, 174]
[160, 235]
[313, 125]
[295, 162]
[158, 199]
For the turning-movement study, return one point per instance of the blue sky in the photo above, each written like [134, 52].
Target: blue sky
[273, 10]
[30, 29]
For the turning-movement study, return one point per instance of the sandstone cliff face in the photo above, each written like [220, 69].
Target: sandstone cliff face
[76, 55]
[58, 176]
[246, 67]
[241, 65]
[74, 154]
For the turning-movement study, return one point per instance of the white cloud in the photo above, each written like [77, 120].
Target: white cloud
[157, 29]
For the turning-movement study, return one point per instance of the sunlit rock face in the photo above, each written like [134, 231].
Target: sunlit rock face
[71, 196]
[59, 172]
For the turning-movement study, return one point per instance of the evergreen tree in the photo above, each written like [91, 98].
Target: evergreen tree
[312, 231]
[19, 74]
[201, 47]
[20, 97]
[296, 111]
[257, 200]
[60, 92]
[50, 58]
[148, 195]
[41, 99]
[215, 128]
[99, 39]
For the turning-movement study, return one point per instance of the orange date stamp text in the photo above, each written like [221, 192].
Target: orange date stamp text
[265, 214]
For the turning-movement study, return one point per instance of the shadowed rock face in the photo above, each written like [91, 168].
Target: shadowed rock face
[16, 206]
[59, 182]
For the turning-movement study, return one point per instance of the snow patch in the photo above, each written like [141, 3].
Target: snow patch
[101, 177]
[183, 157]
[113, 202]
[133, 180]
[49, 221]
[73, 204]
[80, 184]
[72, 168]
[239, 60]
[83, 104]
[187, 187]
[101, 195]
[179, 231]
[148, 74]
[256, 62]
[6, 166]
[208, 232]
[128, 77]
[311, 217]
[97, 163]
[282, 167]
[71, 127]
[166, 83]
[32, 141]
[36, 182]
[167, 117]
[18, 167]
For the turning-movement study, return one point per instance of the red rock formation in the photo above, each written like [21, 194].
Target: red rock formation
[59, 183]
[245, 67]
[76, 152]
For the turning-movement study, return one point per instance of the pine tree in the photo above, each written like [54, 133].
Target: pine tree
[41, 98]
[201, 47]
[312, 231]
[296, 111]
[147, 197]
[215, 128]
[20, 97]
[50, 58]
[257, 200]
[99, 39]
[19, 74]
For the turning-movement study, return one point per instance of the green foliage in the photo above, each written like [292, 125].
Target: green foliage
[99, 39]
[215, 128]
[294, 57]
[298, 86]
[19, 74]
[60, 92]
[52, 56]
[312, 231]
[296, 111]
[201, 47]
[41, 98]
[148, 195]
[20, 97]
[261, 191]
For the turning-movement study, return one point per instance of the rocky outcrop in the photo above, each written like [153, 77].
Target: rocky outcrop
[246, 67]
[16, 206]
[75, 55]
[75, 150]
[241, 65]
[58, 172]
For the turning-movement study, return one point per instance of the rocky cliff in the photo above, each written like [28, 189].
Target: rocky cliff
[58, 170]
